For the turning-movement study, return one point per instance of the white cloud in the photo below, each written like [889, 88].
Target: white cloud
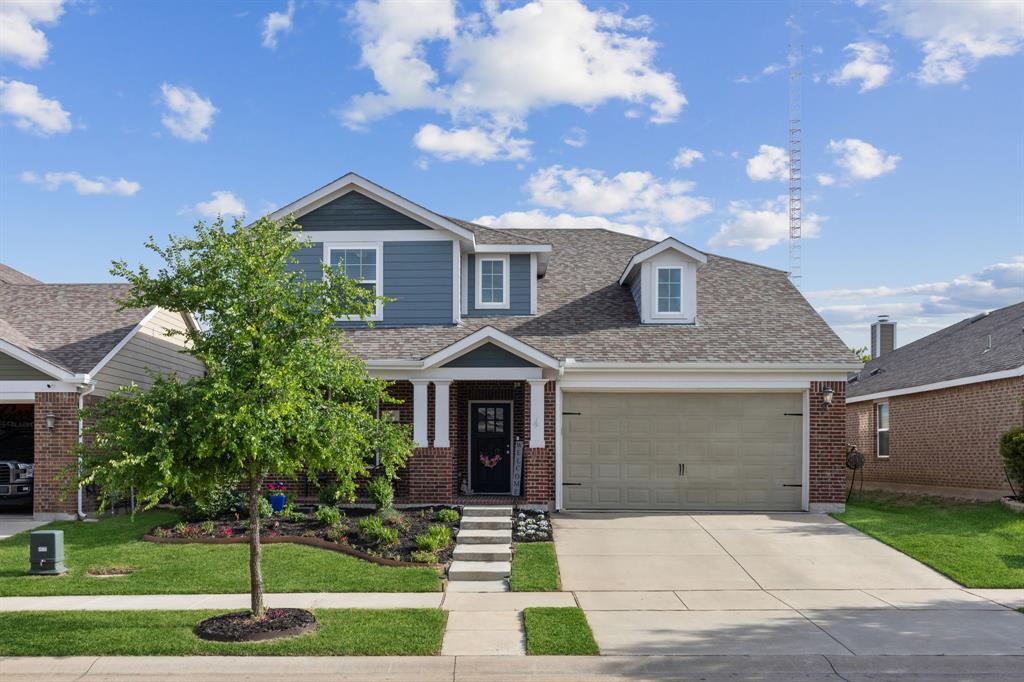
[576, 137]
[20, 39]
[871, 66]
[565, 221]
[221, 203]
[860, 160]
[956, 35]
[31, 111]
[825, 180]
[761, 227]
[771, 163]
[497, 65]
[276, 23]
[471, 144]
[633, 196]
[82, 185]
[189, 116]
[685, 158]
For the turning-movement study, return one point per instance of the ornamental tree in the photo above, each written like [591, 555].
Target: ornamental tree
[281, 395]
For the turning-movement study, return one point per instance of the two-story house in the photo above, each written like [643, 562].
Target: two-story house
[585, 369]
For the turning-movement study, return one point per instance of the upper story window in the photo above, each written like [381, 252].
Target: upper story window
[670, 291]
[492, 282]
[882, 429]
[362, 263]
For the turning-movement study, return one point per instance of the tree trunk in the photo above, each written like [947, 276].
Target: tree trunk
[255, 567]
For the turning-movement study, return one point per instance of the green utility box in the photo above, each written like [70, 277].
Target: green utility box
[46, 552]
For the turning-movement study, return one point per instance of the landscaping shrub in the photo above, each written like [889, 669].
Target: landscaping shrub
[374, 531]
[423, 556]
[436, 538]
[448, 515]
[1011, 447]
[382, 494]
[290, 513]
[266, 510]
[207, 527]
[329, 516]
[330, 494]
[222, 501]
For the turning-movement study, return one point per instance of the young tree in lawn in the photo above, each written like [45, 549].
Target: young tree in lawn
[281, 395]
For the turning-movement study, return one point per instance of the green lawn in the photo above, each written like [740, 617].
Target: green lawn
[342, 632]
[558, 631]
[534, 568]
[975, 544]
[193, 568]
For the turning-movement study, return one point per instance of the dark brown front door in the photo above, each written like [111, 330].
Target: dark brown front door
[490, 448]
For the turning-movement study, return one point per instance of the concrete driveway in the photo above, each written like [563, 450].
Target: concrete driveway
[768, 584]
[11, 524]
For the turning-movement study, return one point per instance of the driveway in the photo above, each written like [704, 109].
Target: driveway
[10, 524]
[768, 584]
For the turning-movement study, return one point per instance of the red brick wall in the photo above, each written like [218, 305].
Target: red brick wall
[54, 453]
[539, 465]
[828, 444]
[947, 438]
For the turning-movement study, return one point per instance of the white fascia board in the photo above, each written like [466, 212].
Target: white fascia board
[498, 338]
[667, 243]
[829, 368]
[123, 342]
[461, 374]
[25, 391]
[512, 248]
[424, 235]
[350, 182]
[939, 385]
[36, 362]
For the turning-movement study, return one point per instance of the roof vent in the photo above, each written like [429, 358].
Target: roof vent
[876, 371]
[979, 316]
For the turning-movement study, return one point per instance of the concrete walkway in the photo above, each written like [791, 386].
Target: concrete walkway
[12, 524]
[516, 668]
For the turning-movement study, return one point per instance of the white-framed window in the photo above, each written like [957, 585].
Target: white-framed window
[362, 262]
[882, 429]
[668, 291]
[492, 278]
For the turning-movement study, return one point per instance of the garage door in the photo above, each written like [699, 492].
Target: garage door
[682, 451]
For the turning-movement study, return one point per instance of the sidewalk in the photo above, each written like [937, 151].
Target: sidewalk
[515, 668]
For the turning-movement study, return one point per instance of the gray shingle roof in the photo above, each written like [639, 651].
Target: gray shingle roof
[9, 275]
[490, 235]
[70, 325]
[746, 313]
[955, 352]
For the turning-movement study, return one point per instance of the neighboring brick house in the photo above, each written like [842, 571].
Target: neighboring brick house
[63, 346]
[928, 416]
[585, 369]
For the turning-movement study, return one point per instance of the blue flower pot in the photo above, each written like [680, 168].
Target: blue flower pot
[277, 502]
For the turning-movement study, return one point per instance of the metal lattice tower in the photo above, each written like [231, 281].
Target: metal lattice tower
[795, 187]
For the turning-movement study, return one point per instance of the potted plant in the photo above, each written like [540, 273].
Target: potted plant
[277, 496]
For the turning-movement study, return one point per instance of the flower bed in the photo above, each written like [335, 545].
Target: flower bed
[532, 526]
[400, 530]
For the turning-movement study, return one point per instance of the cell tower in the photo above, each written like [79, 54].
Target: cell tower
[795, 189]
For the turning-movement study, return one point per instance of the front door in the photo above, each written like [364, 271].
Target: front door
[490, 447]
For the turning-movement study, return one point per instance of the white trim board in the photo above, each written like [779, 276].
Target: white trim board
[939, 385]
[667, 243]
[478, 264]
[499, 338]
[124, 342]
[378, 247]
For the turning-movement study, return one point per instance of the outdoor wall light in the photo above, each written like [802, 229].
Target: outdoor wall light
[826, 396]
[51, 421]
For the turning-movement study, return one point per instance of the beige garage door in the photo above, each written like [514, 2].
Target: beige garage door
[682, 451]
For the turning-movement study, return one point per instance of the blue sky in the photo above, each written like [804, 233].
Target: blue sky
[122, 119]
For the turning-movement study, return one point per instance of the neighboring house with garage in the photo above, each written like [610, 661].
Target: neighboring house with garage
[927, 416]
[63, 346]
[585, 369]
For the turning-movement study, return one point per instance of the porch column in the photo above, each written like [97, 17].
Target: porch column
[419, 413]
[441, 414]
[537, 413]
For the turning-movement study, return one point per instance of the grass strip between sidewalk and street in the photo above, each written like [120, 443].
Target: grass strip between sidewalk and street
[192, 568]
[558, 631]
[534, 568]
[977, 544]
[342, 632]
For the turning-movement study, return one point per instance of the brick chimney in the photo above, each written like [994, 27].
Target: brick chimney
[883, 336]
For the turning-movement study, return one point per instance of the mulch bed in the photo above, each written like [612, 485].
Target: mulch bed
[308, 531]
[242, 627]
[531, 526]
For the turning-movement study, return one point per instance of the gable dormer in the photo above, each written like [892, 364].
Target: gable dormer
[663, 282]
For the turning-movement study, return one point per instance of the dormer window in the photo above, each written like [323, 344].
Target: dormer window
[492, 279]
[670, 290]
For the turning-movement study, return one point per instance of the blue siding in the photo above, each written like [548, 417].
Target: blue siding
[489, 355]
[309, 260]
[518, 288]
[419, 276]
[634, 289]
[355, 211]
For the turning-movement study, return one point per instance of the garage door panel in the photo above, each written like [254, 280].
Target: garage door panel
[739, 451]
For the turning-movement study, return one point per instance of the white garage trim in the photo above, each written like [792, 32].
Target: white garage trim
[805, 493]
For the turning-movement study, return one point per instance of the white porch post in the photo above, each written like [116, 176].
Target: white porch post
[419, 413]
[537, 414]
[441, 414]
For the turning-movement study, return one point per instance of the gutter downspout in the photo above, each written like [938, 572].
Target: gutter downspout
[81, 439]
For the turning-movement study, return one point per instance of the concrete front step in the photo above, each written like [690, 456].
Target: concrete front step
[485, 523]
[482, 552]
[484, 537]
[477, 586]
[479, 570]
[478, 511]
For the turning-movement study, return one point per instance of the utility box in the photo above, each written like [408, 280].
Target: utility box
[46, 552]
